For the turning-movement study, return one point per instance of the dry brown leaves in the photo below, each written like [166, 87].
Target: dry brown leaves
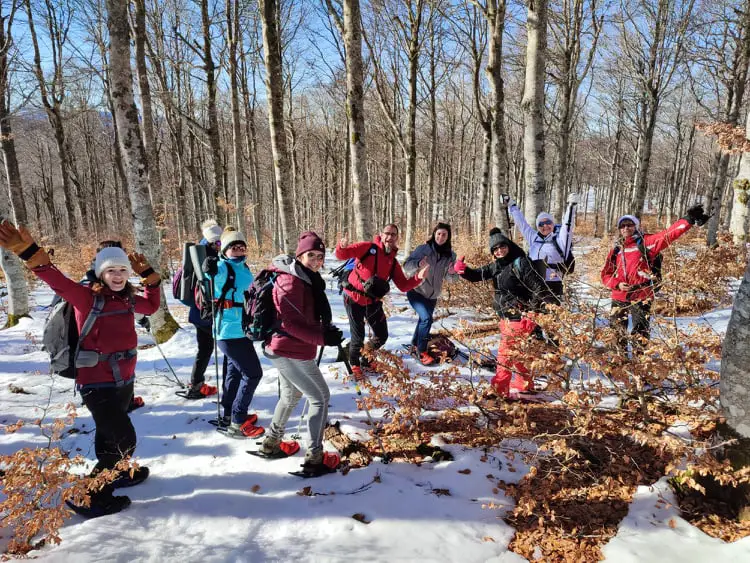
[36, 483]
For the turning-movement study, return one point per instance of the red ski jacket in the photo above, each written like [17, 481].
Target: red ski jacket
[111, 333]
[364, 268]
[629, 264]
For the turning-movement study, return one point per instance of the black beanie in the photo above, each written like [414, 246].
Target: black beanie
[497, 238]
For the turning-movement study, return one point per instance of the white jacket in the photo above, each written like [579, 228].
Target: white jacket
[543, 248]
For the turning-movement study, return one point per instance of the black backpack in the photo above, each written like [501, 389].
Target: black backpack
[568, 264]
[341, 274]
[375, 287]
[259, 318]
[202, 295]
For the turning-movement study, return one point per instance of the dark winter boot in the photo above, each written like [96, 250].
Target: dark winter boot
[320, 463]
[127, 480]
[102, 503]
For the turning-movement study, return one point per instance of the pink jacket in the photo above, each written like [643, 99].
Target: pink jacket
[115, 333]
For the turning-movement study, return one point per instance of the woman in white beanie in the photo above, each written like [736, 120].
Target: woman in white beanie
[106, 354]
[550, 245]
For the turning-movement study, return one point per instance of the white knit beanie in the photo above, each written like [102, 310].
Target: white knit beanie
[111, 257]
[544, 216]
[632, 218]
[211, 230]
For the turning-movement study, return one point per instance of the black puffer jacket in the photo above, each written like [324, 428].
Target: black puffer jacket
[518, 281]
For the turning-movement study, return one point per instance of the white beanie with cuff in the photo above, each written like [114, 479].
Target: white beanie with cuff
[111, 257]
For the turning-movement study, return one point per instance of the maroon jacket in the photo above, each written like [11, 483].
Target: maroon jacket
[300, 332]
[365, 268]
[115, 333]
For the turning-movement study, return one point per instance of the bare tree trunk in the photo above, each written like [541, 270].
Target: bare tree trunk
[735, 357]
[238, 176]
[136, 170]
[149, 136]
[735, 94]
[17, 288]
[738, 225]
[275, 95]
[496, 25]
[52, 95]
[533, 106]
[214, 135]
[350, 27]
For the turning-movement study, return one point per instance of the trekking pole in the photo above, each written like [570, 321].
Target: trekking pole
[385, 457]
[506, 200]
[484, 355]
[216, 352]
[177, 379]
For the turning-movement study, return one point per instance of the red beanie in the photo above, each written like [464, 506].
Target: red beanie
[309, 241]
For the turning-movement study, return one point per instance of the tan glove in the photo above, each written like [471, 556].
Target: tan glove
[141, 267]
[20, 242]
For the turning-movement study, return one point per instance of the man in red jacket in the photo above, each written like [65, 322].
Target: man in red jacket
[628, 271]
[368, 284]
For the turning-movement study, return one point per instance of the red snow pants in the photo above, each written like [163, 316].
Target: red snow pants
[510, 372]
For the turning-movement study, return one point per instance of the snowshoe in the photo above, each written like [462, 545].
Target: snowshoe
[226, 421]
[127, 480]
[246, 430]
[136, 403]
[100, 506]
[329, 464]
[194, 393]
[279, 450]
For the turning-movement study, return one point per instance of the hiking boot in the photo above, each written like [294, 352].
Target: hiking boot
[194, 393]
[200, 391]
[135, 403]
[102, 503]
[270, 446]
[125, 478]
[245, 430]
[425, 359]
[319, 463]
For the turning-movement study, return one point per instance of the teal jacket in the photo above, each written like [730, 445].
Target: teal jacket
[228, 323]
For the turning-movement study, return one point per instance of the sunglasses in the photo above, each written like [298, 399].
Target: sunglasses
[237, 247]
[543, 223]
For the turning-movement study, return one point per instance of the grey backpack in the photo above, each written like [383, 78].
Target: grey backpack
[60, 338]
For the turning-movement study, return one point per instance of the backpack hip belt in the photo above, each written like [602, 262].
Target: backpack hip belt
[91, 358]
[219, 304]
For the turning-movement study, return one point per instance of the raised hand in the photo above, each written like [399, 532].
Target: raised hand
[20, 242]
[459, 266]
[141, 267]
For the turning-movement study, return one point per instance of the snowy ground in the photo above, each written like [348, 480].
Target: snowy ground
[207, 500]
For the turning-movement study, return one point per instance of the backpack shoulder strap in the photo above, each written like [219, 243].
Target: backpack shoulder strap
[558, 248]
[96, 311]
[644, 251]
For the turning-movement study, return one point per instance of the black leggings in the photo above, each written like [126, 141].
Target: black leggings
[115, 435]
[203, 357]
[640, 311]
[374, 316]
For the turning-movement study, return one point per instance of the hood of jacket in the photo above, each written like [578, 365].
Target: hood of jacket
[288, 265]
